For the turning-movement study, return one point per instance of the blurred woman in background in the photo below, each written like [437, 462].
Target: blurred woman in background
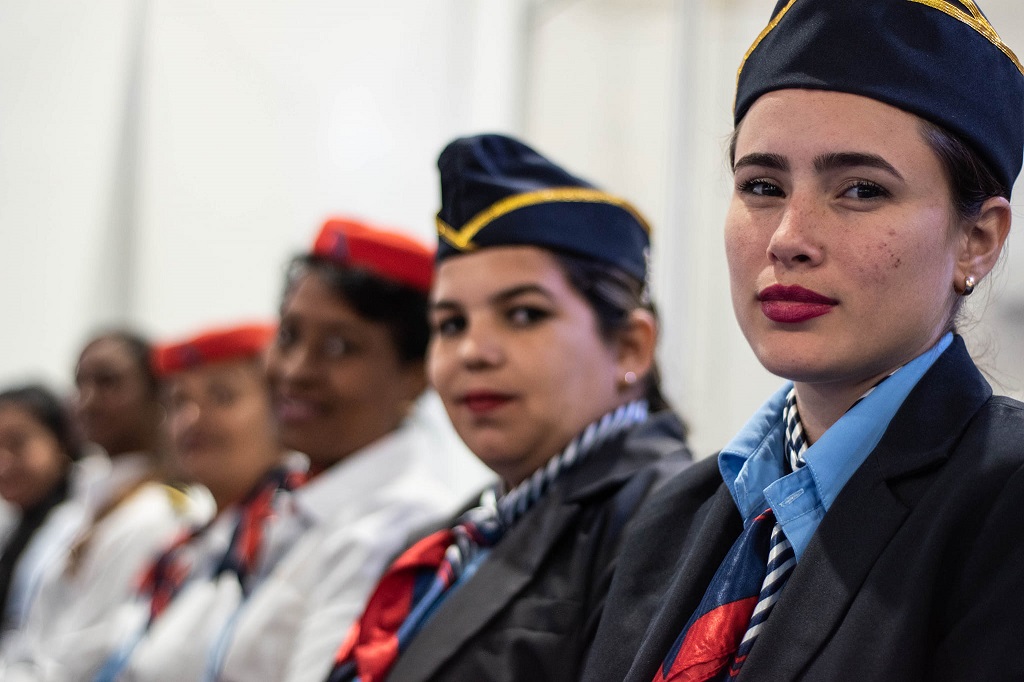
[345, 369]
[543, 354]
[221, 437]
[38, 445]
[124, 515]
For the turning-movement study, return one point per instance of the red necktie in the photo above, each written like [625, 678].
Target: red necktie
[708, 644]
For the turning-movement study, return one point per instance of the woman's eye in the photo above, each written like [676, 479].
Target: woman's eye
[448, 326]
[15, 444]
[222, 395]
[335, 347]
[759, 187]
[285, 336]
[523, 316]
[862, 189]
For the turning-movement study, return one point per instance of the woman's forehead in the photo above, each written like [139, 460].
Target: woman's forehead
[812, 123]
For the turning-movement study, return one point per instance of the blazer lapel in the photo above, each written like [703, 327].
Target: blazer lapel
[867, 514]
[719, 525]
[830, 574]
[504, 573]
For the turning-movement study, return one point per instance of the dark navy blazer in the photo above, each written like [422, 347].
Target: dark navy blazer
[915, 573]
[531, 610]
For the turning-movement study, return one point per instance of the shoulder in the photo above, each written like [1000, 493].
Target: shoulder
[631, 465]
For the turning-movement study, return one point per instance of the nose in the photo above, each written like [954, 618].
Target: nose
[184, 417]
[479, 347]
[796, 240]
[294, 364]
[188, 415]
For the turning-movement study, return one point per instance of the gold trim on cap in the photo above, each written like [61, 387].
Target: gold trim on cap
[757, 41]
[462, 238]
[975, 20]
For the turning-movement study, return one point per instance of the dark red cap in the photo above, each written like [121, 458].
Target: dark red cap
[384, 252]
[215, 345]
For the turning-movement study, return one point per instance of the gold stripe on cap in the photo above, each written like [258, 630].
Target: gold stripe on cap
[462, 238]
[757, 41]
[975, 20]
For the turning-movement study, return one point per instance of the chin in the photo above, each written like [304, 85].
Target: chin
[793, 358]
[495, 456]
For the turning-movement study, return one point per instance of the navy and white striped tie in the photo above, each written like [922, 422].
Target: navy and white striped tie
[781, 561]
[781, 558]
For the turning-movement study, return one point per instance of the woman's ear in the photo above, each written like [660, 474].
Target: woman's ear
[636, 346]
[983, 241]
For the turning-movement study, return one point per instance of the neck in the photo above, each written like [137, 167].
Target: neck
[237, 489]
[822, 405]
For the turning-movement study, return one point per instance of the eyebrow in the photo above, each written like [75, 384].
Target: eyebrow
[822, 163]
[502, 296]
[837, 160]
[764, 160]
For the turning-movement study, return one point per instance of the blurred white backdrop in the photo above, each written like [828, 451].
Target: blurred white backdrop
[160, 160]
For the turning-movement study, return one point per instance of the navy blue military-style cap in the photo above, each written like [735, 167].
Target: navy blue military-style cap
[938, 59]
[496, 191]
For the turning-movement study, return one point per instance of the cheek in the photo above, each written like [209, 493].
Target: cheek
[906, 257]
[272, 365]
[744, 248]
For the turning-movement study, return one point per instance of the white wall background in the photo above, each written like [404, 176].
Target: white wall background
[161, 159]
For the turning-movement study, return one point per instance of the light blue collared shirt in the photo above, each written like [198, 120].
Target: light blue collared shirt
[752, 463]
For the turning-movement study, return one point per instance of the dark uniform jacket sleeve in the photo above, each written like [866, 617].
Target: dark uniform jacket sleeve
[530, 611]
[915, 573]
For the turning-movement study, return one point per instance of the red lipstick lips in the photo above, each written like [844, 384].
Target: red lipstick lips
[793, 304]
[482, 402]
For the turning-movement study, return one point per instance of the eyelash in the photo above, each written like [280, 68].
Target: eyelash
[532, 313]
[748, 186]
[880, 192]
[769, 188]
[517, 316]
[447, 326]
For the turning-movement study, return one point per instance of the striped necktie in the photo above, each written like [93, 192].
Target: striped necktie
[719, 636]
[417, 583]
[245, 551]
[161, 581]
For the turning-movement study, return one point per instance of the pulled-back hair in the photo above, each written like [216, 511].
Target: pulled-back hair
[613, 294]
[971, 180]
[140, 350]
[46, 408]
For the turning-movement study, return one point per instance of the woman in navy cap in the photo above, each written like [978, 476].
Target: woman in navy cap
[865, 523]
[542, 351]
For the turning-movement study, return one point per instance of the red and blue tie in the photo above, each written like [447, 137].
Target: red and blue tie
[716, 640]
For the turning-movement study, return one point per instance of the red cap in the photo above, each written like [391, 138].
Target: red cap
[384, 252]
[216, 345]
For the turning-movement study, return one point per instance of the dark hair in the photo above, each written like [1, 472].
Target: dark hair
[613, 295]
[400, 308]
[971, 180]
[49, 411]
[139, 348]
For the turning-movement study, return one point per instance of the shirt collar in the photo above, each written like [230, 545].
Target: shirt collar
[751, 463]
[355, 478]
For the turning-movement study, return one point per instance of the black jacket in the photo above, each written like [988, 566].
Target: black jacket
[529, 613]
[915, 573]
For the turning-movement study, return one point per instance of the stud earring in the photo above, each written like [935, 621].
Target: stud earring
[969, 284]
[629, 378]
